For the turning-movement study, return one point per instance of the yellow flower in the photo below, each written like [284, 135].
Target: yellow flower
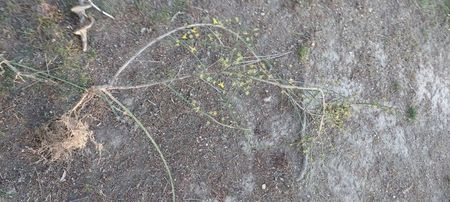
[192, 49]
[221, 85]
[210, 36]
[184, 36]
[196, 109]
[216, 21]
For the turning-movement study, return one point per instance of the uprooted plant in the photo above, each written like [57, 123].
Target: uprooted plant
[231, 68]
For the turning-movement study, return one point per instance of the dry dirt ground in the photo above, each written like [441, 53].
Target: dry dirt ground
[383, 66]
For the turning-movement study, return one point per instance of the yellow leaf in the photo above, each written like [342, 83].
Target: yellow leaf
[184, 36]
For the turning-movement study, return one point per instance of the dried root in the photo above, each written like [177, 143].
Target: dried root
[60, 138]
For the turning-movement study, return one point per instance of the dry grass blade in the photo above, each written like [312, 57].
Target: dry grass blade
[155, 145]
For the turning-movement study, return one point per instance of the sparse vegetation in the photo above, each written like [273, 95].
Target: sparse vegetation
[303, 53]
[446, 9]
[7, 81]
[337, 114]
[5, 194]
[442, 9]
[396, 87]
[411, 113]
[162, 14]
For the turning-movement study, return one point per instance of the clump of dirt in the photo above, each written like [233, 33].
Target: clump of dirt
[58, 139]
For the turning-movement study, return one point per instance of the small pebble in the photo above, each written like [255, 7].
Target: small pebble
[263, 186]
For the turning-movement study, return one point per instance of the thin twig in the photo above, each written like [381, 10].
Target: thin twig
[107, 87]
[300, 88]
[204, 113]
[104, 13]
[297, 104]
[260, 58]
[218, 38]
[121, 69]
[174, 17]
[273, 56]
[87, 96]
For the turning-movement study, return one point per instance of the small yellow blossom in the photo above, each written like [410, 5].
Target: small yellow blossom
[185, 36]
[192, 49]
[239, 58]
[221, 85]
[202, 76]
[196, 109]
[216, 21]
[210, 36]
